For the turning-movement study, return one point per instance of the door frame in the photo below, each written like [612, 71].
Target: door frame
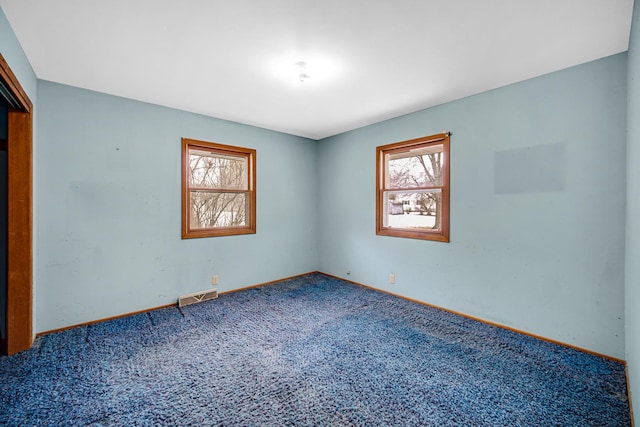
[20, 214]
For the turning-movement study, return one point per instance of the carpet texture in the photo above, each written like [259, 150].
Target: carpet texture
[307, 351]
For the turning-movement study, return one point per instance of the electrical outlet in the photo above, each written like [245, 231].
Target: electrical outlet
[214, 280]
[392, 278]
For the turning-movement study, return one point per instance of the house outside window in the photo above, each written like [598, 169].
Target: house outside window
[218, 189]
[412, 188]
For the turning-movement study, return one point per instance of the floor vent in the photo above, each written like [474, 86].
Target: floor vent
[197, 297]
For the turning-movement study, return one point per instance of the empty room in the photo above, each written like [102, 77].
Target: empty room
[336, 213]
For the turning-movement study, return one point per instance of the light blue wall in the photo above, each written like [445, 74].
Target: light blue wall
[632, 296]
[14, 55]
[547, 260]
[109, 207]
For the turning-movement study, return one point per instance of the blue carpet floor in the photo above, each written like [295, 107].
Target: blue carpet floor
[308, 351]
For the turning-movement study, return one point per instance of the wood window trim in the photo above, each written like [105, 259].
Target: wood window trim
[402, 146]
[250, 228]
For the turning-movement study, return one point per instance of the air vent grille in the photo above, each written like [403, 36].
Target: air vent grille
[197, 297]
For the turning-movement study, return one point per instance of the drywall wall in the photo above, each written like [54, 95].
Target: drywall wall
[632, 266]
[540, 254]
[109, 201]
[14, 55]
[546, 260]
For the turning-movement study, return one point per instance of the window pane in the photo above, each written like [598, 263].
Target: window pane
[219, 171]
[413, 210]
[211, 210]
[421, 167]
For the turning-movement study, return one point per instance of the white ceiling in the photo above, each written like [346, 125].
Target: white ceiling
[369, 60]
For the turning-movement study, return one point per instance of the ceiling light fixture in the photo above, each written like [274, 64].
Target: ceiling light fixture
[296, 68]
[301, 66]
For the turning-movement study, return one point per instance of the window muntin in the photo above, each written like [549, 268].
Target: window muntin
[218, 189]
[412, 188]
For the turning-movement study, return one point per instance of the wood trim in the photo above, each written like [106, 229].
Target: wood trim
[250, 154]
[273, 282]
[20, 233]
[11, 82]
[106, 319]
[20, 216]
[402, 145]
[439, 236]
[488, 322]
[604, 356]
[626, 374]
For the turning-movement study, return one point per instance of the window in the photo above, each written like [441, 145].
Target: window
[218, 189]
[412, 188]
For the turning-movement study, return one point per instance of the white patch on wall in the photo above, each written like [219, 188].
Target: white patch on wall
[535, 169]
